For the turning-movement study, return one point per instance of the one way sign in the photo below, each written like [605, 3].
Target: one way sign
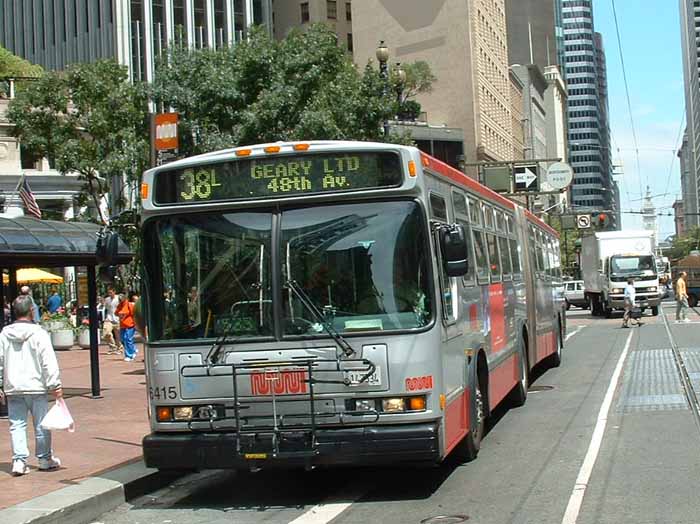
[526, 178]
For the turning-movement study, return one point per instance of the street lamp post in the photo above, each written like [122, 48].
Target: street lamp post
[400, 82]
[383, 59]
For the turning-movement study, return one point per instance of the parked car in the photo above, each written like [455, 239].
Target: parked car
[574, 295]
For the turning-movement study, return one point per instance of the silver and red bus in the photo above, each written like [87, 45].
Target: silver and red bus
[328, 303]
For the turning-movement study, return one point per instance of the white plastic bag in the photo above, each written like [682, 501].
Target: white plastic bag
[58, 418]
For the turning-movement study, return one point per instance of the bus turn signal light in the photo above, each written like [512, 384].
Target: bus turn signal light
[301, 147]
[412, 169]
[416, 403]
[244, 152]
[272, 149]
[144, 191]
[164, 414]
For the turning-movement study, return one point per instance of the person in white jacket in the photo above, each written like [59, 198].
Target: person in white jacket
[28, 373]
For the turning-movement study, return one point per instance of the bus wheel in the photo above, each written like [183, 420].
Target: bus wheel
[468, 448]
[555, 358]
[519, 394]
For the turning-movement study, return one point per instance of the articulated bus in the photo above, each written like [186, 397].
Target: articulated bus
[336, 303]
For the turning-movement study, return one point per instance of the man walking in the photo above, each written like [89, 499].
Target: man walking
[125, 311]
[630, 297]
[682, 298]
[110, 326]
[28, 372]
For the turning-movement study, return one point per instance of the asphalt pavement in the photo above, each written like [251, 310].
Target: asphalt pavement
[608, 437]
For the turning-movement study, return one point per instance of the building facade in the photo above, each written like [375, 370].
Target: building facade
[535, 32]
[688, 183]
[679, 217]
[465, 43]
[337, 14]
[589, 151]
[690, 162]
[134, 32]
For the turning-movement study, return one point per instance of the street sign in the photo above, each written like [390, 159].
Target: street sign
[498, 178]
[568, 222]
[526, 178]
[583, 221]
[559, 175]
[166, 131]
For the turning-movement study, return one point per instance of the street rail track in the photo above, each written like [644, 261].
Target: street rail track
[691, 396]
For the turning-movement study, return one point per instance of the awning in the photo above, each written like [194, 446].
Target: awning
[28, 242]
[34, 275]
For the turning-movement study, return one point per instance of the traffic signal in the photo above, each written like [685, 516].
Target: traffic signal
[600, 220]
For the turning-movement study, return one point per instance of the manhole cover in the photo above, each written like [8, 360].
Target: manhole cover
[537, 389]
[445, 519]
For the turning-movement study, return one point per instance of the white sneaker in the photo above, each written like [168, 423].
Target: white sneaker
[49, 463]
[685, 320]
[128, 359]
[19, 468]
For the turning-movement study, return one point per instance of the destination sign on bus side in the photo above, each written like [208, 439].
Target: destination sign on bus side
[280, 176]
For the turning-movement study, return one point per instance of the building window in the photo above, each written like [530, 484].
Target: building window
[305, 12]
[350, 46]
[332, 9]
[348, 11]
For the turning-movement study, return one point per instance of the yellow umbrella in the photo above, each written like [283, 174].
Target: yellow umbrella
[33, 275]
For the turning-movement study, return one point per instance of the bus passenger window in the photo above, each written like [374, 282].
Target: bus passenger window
[515, 257]
[493, 257]
[482, 261]
[475, 213]
[438, 208]
[505, 256]
[488, 217]
[470, 256]
[460, 204]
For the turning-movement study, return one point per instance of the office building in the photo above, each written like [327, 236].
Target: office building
[679, 217]
[586, 78]
[690, 162]
[337, 14]
[465, 43]
[535, 32]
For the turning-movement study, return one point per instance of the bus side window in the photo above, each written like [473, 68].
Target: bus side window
[539, 252]
[459, 204]
[475, 213]
[438, 207]
[481, 255]
[505, 258]
[494, 259]
[532, 245]
[515, 259]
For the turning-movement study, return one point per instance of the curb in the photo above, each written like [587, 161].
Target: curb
[90, 498]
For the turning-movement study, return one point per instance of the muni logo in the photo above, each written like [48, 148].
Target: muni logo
[279, 382]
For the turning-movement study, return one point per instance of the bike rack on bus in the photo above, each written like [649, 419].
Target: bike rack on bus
[285, 428]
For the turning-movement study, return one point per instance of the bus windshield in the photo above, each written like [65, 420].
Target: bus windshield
[364, 266]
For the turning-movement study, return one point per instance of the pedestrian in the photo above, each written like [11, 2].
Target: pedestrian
[125, 312]
[110, 326]
[682, 298]
[28, 373]
[54, 302]
[27, 291]
[630, 297]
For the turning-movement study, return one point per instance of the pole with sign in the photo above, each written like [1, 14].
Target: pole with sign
[164, 138]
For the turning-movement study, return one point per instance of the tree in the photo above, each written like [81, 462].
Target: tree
[12, 66]
[681, 246]
[90, 120]
[304, 87]
[418, 79]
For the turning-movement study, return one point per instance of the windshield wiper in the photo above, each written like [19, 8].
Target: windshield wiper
[308, 303]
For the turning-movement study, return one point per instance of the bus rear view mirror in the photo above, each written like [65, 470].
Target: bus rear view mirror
[453, 246]
[107, 248]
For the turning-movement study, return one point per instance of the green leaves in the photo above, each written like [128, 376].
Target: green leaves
[90, 120]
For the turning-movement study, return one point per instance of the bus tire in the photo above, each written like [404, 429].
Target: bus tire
[555, 358]
[468, 449]
[518, 395]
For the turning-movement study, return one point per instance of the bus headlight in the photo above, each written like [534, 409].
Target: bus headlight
[183, 413]
[365, 404]
[393, 405]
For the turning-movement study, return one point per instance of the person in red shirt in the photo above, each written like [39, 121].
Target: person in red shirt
[125, 312]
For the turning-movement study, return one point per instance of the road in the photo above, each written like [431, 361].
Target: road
[559, 459]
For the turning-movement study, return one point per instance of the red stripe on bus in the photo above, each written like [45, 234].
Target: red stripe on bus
[532, 218]
[456, 420]
[498, 317]
[461, 178]
[502, 379]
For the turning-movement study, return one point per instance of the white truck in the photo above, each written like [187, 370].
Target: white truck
[609, 259]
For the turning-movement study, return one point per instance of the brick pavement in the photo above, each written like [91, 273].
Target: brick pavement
[108, 430]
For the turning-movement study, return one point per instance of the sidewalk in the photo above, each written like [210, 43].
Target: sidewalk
[108, 430]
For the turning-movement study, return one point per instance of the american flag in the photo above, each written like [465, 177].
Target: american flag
[25, 193]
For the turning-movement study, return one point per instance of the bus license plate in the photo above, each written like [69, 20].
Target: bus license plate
[355, 375]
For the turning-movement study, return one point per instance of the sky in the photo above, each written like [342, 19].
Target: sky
[651, 47]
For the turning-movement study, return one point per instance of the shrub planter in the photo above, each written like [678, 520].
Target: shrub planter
[62, 338]
[84, 338]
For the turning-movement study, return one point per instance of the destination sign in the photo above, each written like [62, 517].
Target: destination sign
[250, 178]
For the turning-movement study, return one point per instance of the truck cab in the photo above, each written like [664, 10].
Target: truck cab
[618, 269]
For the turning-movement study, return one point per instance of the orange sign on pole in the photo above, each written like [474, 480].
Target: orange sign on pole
[165, 131]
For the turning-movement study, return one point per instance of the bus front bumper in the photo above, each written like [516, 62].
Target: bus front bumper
[365, 445]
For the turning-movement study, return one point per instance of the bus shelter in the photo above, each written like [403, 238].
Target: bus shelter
[30, 243]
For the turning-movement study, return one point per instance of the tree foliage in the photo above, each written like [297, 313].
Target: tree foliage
[682, 245]
[304, 87]
[90, 120]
